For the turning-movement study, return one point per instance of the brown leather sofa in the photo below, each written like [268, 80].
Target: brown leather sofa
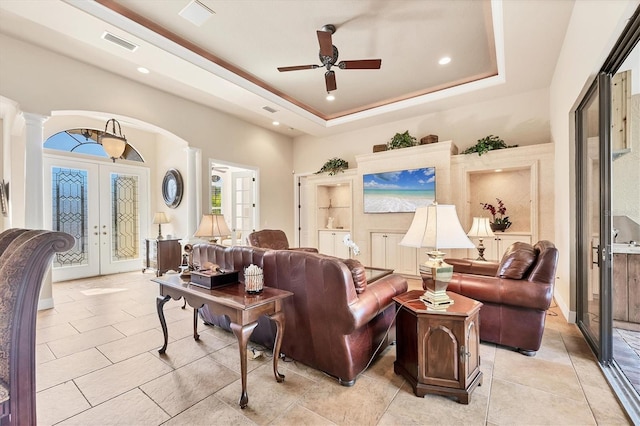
[515, 293]
[335, 321]
[274, 239]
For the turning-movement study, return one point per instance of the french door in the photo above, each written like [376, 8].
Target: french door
[104, 206]
[243, 218]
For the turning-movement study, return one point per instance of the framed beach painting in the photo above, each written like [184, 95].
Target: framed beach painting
[401, 191]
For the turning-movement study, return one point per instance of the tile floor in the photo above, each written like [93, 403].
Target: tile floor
[98, 364]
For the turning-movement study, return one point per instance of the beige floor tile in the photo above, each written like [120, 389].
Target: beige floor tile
[69, 367]
[604, 406]
[43, 354]
[83, 341]
[116, 379]
[229, 356]
[61, 318]
[184, 387]
[191, 350]
[60, 402]
[511, 404]
[559, 378]
[99, 321]
[553, 348]
[138, 325]
[300, 416]
[130, 346]
[408, 409]
[55, 332]
[210, 411]
[180, 329]
[267, 397]
[131, 408]
[364, 403]
[382, 368]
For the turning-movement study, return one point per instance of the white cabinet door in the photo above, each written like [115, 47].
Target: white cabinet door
[496, 246]
[386, 252]
[332, 243]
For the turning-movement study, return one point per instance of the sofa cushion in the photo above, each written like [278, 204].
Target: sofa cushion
[358, 274]
[516, 261]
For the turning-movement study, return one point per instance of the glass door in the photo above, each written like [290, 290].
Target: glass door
[102, 207]
[594, 219]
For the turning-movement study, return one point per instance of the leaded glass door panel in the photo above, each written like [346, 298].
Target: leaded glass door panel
[104, 207]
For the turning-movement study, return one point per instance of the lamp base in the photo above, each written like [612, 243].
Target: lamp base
[159, 237]
[436, 274]
[481, 251]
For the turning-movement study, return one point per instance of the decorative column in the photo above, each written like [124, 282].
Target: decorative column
[193, 188]
[34, 174]
[34, 192]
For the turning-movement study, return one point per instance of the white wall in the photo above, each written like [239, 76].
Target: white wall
[521, 119]
[593, 30]
[42, 81]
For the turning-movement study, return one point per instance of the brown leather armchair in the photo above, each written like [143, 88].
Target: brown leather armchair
[274, 239]
[515, 293]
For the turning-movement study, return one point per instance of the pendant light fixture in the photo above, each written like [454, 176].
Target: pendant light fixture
[113, 143]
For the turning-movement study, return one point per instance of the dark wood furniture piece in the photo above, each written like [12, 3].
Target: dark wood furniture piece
[25, 257]
[162, 255]
[243, 310]
[437, 351]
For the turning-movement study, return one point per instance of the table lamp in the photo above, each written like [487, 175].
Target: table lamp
[160, 218]
[480, 229]
[212, 226]
[436, 226]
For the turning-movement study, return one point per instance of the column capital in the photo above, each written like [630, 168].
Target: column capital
[31, 118]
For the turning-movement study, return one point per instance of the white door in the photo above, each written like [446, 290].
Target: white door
[243, 203]
[104, 207]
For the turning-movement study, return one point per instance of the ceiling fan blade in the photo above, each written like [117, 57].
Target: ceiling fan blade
[330, 80]
[362, 64]
[326, 46]
[298, 67]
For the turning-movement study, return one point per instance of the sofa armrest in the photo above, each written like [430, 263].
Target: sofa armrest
[476, 267]
[522, 293]
[377, 297]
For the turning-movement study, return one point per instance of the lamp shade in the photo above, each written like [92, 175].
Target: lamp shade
[436, 226]
[211, 226]
[159, 218]
[480, 228]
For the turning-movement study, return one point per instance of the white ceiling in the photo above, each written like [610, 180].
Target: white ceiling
[230, 62]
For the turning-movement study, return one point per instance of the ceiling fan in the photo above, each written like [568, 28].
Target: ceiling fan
[329, 55]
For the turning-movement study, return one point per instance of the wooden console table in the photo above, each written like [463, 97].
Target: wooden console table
[162, 255]
[437, 351]
[242, 308]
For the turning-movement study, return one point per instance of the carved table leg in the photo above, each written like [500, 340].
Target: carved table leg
[196, 336]
[278, 318]
[242, 334]
[160, 301]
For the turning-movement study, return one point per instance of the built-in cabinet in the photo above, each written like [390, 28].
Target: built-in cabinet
[626, 290]
[494, 247]
[332, 243]
[386, 252]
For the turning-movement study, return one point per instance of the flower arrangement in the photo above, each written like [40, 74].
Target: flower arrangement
[351, 244]
[333, 166]
[500, 221]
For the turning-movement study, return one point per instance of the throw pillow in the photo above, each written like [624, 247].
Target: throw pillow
[516, 261]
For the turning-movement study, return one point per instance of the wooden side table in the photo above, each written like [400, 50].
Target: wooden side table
[162, 255]
[438, 351]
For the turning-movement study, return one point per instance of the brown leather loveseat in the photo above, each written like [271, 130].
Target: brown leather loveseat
[515, 293]
[335, 321]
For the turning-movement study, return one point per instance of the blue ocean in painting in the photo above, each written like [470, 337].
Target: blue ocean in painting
[400, 191]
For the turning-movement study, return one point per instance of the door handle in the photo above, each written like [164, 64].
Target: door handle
[595, 260]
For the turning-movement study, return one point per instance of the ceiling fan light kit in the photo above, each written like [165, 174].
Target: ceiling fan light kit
[328, 56]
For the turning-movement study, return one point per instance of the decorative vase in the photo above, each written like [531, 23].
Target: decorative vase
[499, 226]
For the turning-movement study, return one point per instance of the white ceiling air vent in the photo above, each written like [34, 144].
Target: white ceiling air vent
[119, 41]
[196, 13]
[269, 109]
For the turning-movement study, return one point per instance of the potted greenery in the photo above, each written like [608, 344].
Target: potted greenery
[486, 144]
[401, 140]
[334, 166]
[500, 222]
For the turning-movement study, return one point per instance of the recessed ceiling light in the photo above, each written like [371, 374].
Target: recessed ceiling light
[497, 170]
[196, 13]
[143, 70]
[276, 123]
[444, 61]
[330, 97]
